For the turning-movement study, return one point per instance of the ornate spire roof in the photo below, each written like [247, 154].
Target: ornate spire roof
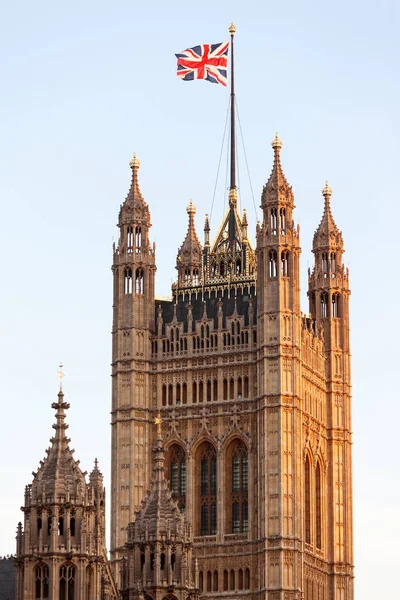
[159, 515]
[134, 199]
[96, 476]
[59, 474]
[277, 185]
[327, 234]
[189, 254]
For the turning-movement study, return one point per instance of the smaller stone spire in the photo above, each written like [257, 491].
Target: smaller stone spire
[327, 233]
[134, 195]
[206, 231]
[277, 188]
[189, 259]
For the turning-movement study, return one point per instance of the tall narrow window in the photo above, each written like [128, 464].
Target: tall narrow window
[184, 393]
[195, 276]
[215, 581]
[273, 220]
[178, 393]
[335, 305]
[232, 389]
[333, 264]
[128, 281]
[164, 395]
[67, 582]
[237, 482]
[226, 581]
[170, 394]
[129, 239]
[324, 263]
[201, 391]
[324, 305]
[139, 281]
[285, 263]
[282, 220]
[215, 390]
[318, 536]
[194, 392]
[208, 391]
[138, 239]
[225, 387]
[72, 526]
[201, 583]
[272, 263]
[307, 500]
[247, 579]
[177, 474]
[42, 582]
[246, 387]
[232, 580]
[208, 490]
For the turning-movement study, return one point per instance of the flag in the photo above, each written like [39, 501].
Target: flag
[208, 61]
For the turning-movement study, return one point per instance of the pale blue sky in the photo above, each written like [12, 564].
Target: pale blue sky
[83, 85]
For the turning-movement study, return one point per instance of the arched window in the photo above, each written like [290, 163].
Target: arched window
[307, 501]
[60, 525]
[129, 239]
[247, 579]
[272, 263]
[237, 483]
[170, 394]
[72, 526]
[318, 523]
[187, 275]
[164, 395]
[225, 386]
[67, 582]
[215, 581]
[239, 388]
[226, 580]
[177, 474]
[282, 220]
[324, 305]
[42, 582]
[336, 305]
[139, 286]
[209, 589]
[207, 461]
[138, 239]
[238, 267]
[128, 281]
[194, 392]
[178, 393]
[215, 390]
[285, 263]
[201, 584]
[246, 387]
[232, 580]
[240, 583]
[332, 259]
[208, 391]
[231, 389]
[273, 221]
[201, 391]
[184, 393]
[195, 276]
[324, 263]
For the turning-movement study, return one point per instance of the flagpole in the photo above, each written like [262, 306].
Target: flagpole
[232, 30]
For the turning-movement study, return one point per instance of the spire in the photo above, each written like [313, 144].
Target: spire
[96, 476]
[277, 187]
[327, 234]
[206, 231]
[134, 204]
[159, 514]
[59, 474]
[188, 260]
[134, 194]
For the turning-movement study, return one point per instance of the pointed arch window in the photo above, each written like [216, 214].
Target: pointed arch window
[272, 263]
[138, 239]
[336, 305]
[237, 483]
[129, 239]
[67, 582]
[282, 220]
[285, 263]
[177, 474]
[318, 520]
[274, 220]
[42, 582]
[307, 501]
[139, 286]
[128, 283]
[208, 490]
[324, 305]
[332, 260]
[324, 263]
[195, 276]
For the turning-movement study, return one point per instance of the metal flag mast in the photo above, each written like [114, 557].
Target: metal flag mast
[232, 187]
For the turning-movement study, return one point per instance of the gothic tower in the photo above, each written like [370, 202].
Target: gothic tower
[279, 386]
[61, 548]
[254, 399]
[132, 396]
[328, 292]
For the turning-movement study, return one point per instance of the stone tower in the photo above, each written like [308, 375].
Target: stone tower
[61, 547]
[159, 562]
[133, 323]
[254, 398]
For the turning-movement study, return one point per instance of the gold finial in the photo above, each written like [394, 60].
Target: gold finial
[233, 196]
[232, 29]
[60, 374]
[134, 162]
[326, 191]
[158, 422]
[276, 142]
[190, 209]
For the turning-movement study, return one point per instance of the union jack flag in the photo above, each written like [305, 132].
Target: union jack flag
[208, 61]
